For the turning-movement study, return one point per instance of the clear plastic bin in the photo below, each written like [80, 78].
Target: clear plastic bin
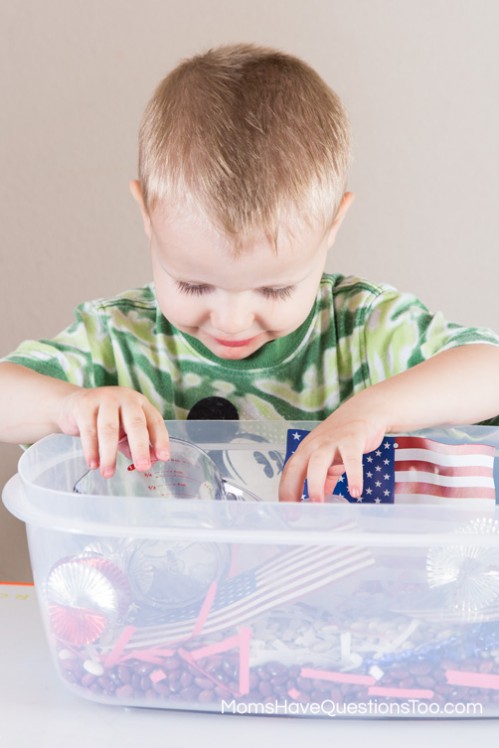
[254, 606]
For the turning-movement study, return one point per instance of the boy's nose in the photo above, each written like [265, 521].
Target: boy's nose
[232, 315]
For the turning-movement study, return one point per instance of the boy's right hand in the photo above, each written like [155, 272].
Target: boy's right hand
[103, 416]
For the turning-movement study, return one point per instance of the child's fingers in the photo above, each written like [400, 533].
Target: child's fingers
[108, 430]
[292, 479]
[135, 426]
[158, 434]
[295, 472]
[333, 475]
[124, 447]
[320, 467]
[352, 460]
[87, 429]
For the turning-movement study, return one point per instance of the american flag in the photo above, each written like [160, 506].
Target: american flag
[408, 469]
[288, 575]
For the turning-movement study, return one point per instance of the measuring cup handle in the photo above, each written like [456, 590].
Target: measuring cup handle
[228, 484]
[13, 495]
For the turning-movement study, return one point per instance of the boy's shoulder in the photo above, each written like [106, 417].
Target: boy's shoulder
[142, 298]
[343, 288]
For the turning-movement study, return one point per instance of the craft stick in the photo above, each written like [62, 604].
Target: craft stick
[473, 680]
[191, 661]
[114, 656]
[157, 675]
[211, 649]
[205, 609]
[362, 680]
[244, 667]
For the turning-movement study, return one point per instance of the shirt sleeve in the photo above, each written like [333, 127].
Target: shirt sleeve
[401, 332]
[81, 354]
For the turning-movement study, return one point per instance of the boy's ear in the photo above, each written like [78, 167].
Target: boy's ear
[136, 190]
[345, 204]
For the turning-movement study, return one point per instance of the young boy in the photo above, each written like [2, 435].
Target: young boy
[243, 165]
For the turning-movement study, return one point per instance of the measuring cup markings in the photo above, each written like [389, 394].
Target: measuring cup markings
[191, 473]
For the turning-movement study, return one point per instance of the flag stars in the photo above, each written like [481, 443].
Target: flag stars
[377, 470]
[380, 481]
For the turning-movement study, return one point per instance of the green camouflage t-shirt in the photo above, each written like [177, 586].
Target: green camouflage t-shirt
[358, 333]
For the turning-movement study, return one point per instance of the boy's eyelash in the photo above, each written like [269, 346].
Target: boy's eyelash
[269, 293]
[193, 290]
[277, 293]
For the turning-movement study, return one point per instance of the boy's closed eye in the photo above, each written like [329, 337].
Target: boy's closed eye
[198, 289]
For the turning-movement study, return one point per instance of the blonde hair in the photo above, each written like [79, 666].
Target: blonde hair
[251, 135]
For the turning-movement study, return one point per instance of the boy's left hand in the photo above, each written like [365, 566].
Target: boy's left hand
[434, 392]
[332, 448]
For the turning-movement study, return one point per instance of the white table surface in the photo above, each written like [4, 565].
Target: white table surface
[36, 709]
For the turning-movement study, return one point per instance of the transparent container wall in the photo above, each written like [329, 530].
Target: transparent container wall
[215, 626]
[250, 606]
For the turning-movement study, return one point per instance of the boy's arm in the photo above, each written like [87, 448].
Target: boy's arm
[33, 405]
[457, 386]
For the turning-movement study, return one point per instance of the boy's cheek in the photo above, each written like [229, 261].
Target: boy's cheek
[180, 312]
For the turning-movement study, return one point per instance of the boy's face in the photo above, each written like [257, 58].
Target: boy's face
[233, 305]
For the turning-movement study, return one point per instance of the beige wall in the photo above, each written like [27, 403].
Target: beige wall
[420, 79]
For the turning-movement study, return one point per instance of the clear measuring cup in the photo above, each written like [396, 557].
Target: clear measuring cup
[190, 473]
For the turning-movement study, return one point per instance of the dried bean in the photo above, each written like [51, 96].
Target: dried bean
[185, 678]
[203, 682]
[276, 669]
[87, 679]
[304, 684]
[262, 673]
[205, 696]
[189, 694]
[172, 663]
[425, 681]
[124, 692]
[265, 688]
[161, 688]
[420, 668]
[124, 674]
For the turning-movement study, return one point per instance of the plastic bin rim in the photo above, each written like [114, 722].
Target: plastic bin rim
[20, 507]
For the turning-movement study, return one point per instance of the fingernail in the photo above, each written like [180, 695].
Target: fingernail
[143, 465]
[107, 472]
[355, 492]
[163, 454]
[93, 464]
